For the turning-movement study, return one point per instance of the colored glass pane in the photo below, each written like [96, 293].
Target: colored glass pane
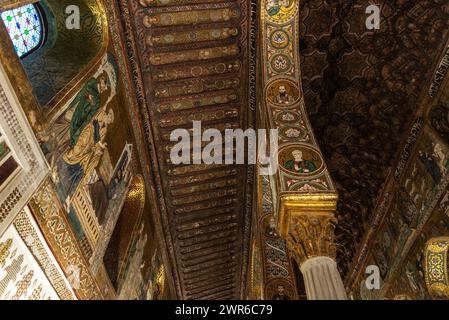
[24, 26]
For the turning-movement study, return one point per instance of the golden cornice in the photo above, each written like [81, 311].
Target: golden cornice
[291, 205]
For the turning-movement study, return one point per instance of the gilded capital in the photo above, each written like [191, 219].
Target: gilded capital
[312, 235]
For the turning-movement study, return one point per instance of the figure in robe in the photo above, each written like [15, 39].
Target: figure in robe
[286, 7]
[273, 7]
[101, 193]
[99, 197]
[414, 275]
[81, 159]
[431, 164]
[270, 230]
[283, 97]
[281, 295]
[299, 165]
[282, 7]
[87, 102]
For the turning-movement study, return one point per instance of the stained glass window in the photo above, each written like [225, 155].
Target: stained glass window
[25, 28]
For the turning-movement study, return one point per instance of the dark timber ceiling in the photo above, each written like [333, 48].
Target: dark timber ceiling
[362, 91]
[193, 57]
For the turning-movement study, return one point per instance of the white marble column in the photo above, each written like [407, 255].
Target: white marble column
[322, 279]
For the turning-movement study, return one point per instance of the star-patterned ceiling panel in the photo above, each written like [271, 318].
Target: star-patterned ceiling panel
[362, 92]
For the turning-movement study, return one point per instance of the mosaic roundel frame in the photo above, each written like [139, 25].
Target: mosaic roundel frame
[279, 39]
[271, 289]
[281, 11]
[281, 63]
[312, 162]
[293, 93]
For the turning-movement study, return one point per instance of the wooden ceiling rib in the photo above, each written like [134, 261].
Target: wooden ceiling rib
[194, 64]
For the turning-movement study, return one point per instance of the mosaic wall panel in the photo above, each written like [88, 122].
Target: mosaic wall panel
[278, 278]
[417, 214]
[28, 270]
[87, 140]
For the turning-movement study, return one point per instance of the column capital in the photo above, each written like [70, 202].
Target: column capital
[304, 204]
[312, 236]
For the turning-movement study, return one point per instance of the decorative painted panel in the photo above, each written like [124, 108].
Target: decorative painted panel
[302, 168]
[90, 180]
[192, 63]
[28, 270]
[278, 283]
[416, 212]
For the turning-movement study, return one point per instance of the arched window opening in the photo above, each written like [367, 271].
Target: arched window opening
[25, 27]
[55, 57]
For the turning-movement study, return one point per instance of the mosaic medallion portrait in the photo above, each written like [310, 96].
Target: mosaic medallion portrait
[300, 160]
[283, 93]
[280, 289]
[269, 226]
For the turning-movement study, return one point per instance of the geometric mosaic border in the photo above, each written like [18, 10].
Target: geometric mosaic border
[53, 222]
[31, 236]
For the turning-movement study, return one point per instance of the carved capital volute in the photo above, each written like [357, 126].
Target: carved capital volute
[312, 236]
[307, 223]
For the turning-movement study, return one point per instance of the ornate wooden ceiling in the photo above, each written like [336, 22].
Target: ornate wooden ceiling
[192, 63]
[362, 92]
